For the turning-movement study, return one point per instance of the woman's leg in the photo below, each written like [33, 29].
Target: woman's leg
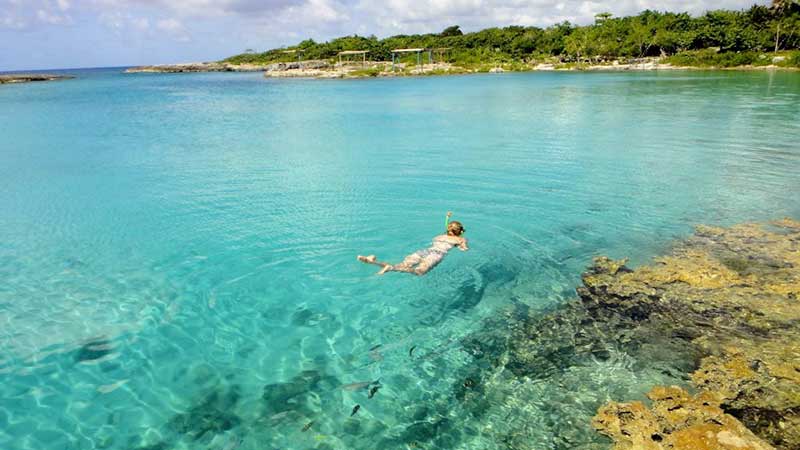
[407, 265]
[371, 259]
[428, 263]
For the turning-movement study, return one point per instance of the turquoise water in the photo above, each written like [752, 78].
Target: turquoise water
[177, 260]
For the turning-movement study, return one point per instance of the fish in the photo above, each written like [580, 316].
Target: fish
[355, 410]
[411, 351]
[360, 385]
[307, 426]
[106, 388]
[357, 386]
[373, 391]
[375, 354]
[279, 416]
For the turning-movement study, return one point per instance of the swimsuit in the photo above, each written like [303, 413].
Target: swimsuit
[435, 253]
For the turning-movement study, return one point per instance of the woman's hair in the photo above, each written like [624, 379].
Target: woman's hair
[455, 228]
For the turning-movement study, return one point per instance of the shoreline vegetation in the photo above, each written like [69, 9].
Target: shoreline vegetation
[757, 38]
[30, 78]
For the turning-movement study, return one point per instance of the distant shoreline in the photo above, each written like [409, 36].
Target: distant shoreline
[369, 69]
[31, 77]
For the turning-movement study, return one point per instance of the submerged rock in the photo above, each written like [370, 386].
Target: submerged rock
[720, 312]
[211, 415]
[732, 295]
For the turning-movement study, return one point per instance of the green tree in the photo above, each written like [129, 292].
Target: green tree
[454, 30]
[716, 38]
[579, 43]
[780, 9]
[602, 17]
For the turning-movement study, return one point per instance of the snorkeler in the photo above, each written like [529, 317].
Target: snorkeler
[422, 261]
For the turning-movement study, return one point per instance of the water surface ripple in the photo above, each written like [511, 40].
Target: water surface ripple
[177, 258]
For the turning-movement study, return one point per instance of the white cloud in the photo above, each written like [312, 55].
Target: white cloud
[140, 23]
[202, 8]
[51, 18]
[407, 16]
[312, 12]
[126, 22]
[314, 17]
[170, 25]
[174, 28]
[12, 22]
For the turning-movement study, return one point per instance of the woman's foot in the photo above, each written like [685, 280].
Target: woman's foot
[367, 259]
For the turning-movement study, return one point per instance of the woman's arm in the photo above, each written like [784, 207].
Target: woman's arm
[463, 245]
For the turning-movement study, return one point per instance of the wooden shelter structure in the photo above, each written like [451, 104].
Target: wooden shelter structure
[440, 52]
[418, 51]
[363, 54]
[295, 51]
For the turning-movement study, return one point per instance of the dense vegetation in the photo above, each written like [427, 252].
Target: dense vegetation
[721, 37]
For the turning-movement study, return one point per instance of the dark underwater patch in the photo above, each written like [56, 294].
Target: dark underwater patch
[211, 415]
[296, 395]
[93, 350]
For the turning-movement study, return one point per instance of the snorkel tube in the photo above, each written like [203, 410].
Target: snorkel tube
[447, 220]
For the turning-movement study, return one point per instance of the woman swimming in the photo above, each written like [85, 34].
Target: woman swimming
[422, 261]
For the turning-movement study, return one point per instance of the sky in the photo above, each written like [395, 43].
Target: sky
[49, 34]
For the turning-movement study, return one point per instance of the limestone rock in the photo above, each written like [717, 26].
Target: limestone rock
[197, 67]
[676, 421]
[732, 295]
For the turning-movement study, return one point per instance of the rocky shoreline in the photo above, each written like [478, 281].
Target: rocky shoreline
[29, 78]
[733, 295]
[326, 69]
[719, 315]
[196, 67]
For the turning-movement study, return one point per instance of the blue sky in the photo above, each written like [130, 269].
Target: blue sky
[42, 34]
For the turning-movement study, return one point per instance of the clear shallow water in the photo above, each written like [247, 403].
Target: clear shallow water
[177, 258]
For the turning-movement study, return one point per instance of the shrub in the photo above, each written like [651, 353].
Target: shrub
[711, 58]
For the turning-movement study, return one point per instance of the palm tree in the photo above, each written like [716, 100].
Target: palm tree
[779, 8]
[602, 17]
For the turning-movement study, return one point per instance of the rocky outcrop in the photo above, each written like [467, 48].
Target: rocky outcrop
[197, 67]
[28, 78]
[306, 69]
[318, 64]
[676, 421]
[312, 65]
[733, 296]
